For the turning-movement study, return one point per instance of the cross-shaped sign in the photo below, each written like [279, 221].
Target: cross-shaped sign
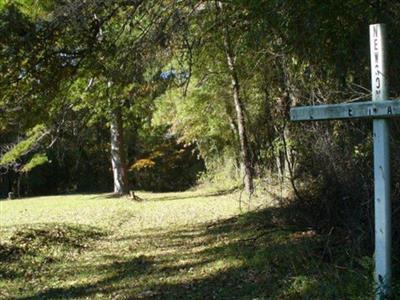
[380, 109]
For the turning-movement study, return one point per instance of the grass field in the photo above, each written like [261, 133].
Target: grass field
[190, 245]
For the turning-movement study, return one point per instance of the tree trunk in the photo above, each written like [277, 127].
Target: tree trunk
[19, 185]
[245, 163]
[118, 158]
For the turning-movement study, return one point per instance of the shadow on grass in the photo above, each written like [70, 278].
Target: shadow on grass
[117, 271]
[41, 245]
[256, 256]
[201, 195]
[172, 197]
[50, 234]
[10, 253]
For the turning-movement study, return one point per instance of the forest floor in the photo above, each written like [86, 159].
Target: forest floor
[189, 245]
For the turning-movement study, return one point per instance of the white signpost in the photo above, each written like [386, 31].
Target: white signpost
[380, 109]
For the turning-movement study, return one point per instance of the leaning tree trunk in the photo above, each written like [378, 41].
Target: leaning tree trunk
[118, 154]
[245, 162]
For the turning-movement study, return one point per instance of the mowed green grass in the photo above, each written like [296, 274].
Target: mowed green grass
[156, 210]
[189, 245]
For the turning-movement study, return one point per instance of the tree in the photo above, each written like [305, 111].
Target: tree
[240, 118]
[115, 44]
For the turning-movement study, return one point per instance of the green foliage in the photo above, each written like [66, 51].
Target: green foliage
[222, 173]
[70, 66]
[166, 165]
[37, 160]
[33, 136]
[33, 8]
[198, 117]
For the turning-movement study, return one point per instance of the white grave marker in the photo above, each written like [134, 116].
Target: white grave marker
[380, 109]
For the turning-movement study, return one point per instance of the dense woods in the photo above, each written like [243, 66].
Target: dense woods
[129, 94]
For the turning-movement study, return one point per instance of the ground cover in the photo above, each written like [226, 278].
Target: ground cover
[190, 245]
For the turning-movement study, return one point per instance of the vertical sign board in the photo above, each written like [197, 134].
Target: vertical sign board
[380, 109]
[381, 134]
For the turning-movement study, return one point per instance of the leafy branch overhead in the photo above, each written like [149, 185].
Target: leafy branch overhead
[22, 149]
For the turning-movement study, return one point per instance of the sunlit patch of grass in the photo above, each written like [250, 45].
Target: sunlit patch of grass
[192, 245]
